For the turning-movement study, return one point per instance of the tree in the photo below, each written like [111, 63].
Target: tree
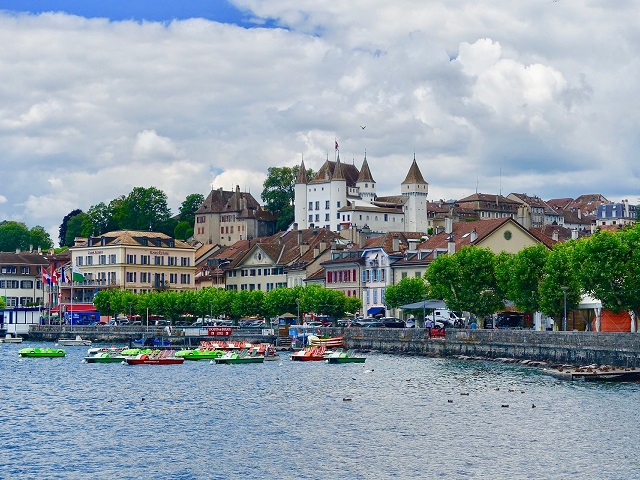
[607, 266]
[62, 236]
[182, 231]
[40, 238]
[143, 209]
[407, 290]
[247, 303]
[14, 235]
[559, 272]
[466, 281]
[76, 228]
[189, 207]
[100, 219]
[519, 276]
[278, 193]
[281, 300]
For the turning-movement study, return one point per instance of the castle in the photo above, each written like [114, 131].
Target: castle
[341, 197]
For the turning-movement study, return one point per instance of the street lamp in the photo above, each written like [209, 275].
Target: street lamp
[564, 321]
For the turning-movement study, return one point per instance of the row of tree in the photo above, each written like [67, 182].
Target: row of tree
[605, 265]
[218, 302]
[142, 209]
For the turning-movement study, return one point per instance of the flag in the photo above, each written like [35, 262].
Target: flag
[337, 145]
[46, 279]
[77, 276]
[54, 276]
[63, 276]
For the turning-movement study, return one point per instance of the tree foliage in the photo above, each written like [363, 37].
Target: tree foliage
[16, 235]
[278, 193]
[62, 237]
[558, 272]
[466, 281]
[519, 276]
[76, 228]
[407, 290]
[189, 207]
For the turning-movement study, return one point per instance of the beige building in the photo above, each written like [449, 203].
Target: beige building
[136, 261]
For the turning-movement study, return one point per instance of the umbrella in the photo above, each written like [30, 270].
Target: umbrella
[424, 305]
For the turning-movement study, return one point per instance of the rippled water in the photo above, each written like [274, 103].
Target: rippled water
[407, 418]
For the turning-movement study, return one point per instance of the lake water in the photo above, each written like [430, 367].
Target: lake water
[407, 418]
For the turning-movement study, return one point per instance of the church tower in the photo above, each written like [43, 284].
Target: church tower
[417, 189]
[300, 198]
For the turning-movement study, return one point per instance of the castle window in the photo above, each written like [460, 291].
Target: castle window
[327, 204]
[310, 205]
[317, 205]
[338, 204]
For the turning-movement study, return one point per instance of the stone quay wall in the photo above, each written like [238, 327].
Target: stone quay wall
[573, 348]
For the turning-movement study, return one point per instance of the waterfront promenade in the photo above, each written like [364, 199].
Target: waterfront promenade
[575, 348]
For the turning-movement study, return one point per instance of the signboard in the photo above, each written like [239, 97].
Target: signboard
[219, 331]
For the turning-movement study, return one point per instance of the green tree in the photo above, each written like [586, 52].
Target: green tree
[143, 209]
[100, 219]
[407, 290]
[466, 281]
[559, 272]
[247, 303]
[323, 301]
[62, 237]
[189, 207]
[282, 300]
[519, 276]
[182, 231]
[278, 193]
[75, 228]
[40, 238]
[14, 235]
[607, 266]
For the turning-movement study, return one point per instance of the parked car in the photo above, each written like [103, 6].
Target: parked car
[393, 322]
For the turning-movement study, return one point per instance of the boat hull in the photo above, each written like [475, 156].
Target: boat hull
[155, 361]
[234, 361]
[42, 353]
[346, 360]
[105, 359]
[195, 355]
[307, 358]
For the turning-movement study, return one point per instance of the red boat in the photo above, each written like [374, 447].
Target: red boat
[156, 358]
[309, 354]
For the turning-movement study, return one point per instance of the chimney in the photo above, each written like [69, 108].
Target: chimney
[473, 236]
[304, 248]
[316, 252]
[395, 244]
[574, 233]
[579, 214]
[448, 225]
[322, 246]
[554, 235]
[17, 251]
[451, 245]
[295, 226]
[299, 233]
[30, 248]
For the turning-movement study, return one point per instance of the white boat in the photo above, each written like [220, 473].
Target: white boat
[9, 339]
[74, 342]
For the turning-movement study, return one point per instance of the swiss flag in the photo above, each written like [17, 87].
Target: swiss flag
[46, 279]
[54, 276]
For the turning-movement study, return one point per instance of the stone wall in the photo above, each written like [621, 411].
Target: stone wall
[576, 348]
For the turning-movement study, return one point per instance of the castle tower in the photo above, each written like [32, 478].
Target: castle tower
[365, 183]
[300, 198]
[337, 199]
[416, 188]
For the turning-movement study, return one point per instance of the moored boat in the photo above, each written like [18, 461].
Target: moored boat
[158, 357]
[74, 342]
[9, 339]
[344, 357]
[333, 342]
[243, 356]
[105, 357]
[309, 354]
[41, 352]
[199, 354]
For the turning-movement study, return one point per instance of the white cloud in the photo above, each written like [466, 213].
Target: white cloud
[518, 95]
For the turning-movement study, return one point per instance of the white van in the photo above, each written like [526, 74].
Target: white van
[445, 316]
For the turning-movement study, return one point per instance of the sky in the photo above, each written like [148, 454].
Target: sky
[494, 96]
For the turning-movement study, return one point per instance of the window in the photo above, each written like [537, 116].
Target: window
[131, 259]
[404, 274]
[311, 218]
[102, 259]
[317, 217]
[417, 274]
[318, 205]
[25, 270]
[144, 259]
[310, 205]
[338, 204]
[327, 205]
[26, 284]
[112, 259]
[200, 219]
[185, 261]
[326, 217]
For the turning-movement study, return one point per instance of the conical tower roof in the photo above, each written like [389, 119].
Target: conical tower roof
[414, 175]
[365, 173]
[337, 171]
[302, 174]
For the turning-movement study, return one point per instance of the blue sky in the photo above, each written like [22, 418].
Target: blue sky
[139, 10]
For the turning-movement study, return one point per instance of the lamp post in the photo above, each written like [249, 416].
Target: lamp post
[210, 310]
[564, 320]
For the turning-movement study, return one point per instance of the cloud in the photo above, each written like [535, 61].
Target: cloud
[493, 95]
